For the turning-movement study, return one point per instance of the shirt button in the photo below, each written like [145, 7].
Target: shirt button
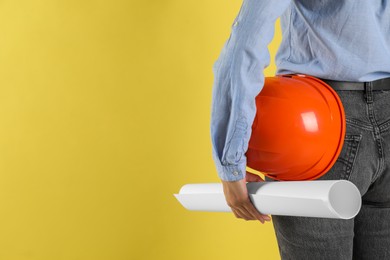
[235, 173]
[235, 23]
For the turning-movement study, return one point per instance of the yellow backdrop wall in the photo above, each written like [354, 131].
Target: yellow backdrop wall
[104, 115]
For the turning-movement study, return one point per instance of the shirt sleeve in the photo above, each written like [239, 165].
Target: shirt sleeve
[238, 79]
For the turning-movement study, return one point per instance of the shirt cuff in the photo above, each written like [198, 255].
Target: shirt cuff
[232, 172]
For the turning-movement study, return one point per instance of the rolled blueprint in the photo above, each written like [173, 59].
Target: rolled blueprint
[318, 198]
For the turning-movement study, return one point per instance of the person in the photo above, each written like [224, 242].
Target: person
[347, 44]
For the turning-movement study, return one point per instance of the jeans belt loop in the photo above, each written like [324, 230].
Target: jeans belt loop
[368, 91]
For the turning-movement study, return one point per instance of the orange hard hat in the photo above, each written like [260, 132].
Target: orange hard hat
[298, 130]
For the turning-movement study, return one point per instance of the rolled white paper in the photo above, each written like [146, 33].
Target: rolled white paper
[318, 198]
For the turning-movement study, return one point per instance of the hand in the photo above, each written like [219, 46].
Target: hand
[236, 195]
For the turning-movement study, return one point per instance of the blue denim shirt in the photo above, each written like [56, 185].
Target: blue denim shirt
[332, 39]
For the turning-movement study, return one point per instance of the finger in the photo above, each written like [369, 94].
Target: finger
[246, 215]
[255, 213]
[239, 213]
[244, 212]
[250, 177]
[236, 214]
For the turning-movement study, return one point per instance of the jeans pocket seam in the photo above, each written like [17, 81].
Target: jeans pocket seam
[353, 148]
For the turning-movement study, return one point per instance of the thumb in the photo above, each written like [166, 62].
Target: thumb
[250, 177]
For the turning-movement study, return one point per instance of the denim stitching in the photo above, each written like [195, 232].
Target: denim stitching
[384, 126]
[376, 133]
[380, 169]
[355, 144]
[359, 124]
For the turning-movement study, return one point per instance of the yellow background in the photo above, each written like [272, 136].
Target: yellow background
[104, 115]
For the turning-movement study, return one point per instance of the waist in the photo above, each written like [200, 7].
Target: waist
[380, 84]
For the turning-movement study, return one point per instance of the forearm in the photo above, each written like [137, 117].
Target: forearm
[238, 79]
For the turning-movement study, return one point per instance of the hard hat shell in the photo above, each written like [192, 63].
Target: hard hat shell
[298, 130]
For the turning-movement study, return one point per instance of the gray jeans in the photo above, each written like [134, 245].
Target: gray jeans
[365, 161]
